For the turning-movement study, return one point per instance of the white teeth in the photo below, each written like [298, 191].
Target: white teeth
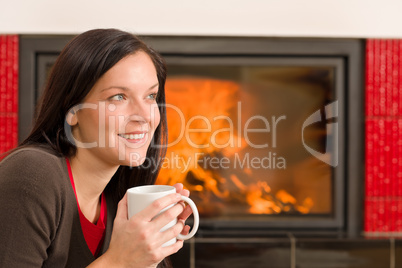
[132, 136]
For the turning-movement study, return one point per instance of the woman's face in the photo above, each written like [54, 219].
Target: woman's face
[119, 116]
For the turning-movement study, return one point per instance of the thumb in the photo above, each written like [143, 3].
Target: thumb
[122, 209]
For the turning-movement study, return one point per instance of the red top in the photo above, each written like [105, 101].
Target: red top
[93, 234]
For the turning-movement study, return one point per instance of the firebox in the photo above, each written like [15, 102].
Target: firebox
[238, 138]
[266, 133]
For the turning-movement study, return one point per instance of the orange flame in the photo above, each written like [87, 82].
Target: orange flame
[197, 128]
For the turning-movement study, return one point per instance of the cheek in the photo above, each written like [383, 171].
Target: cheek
[156, 120]
[88, 121]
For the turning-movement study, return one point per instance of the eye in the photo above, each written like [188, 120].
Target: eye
[152, 96]
[117, 97]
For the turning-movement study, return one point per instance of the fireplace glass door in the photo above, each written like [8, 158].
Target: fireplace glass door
[255, 139]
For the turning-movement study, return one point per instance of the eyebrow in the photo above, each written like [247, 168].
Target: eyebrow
[126, 88]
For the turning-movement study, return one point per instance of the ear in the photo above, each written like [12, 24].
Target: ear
[71, 117]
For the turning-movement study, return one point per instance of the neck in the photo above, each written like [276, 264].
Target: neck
[91, 175]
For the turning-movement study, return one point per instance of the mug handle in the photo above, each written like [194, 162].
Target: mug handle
[196, 219]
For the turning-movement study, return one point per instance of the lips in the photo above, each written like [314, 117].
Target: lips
[134, 137]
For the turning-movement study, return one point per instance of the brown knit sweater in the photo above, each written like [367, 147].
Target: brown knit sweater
[39, 220]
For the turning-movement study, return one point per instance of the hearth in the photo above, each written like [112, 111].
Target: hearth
[265, 132]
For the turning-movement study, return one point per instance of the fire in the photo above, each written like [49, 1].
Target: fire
[262, 201]
[196, 109]
[209, 99]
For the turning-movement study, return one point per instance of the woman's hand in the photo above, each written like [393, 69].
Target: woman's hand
[137, 242]
[187, 209]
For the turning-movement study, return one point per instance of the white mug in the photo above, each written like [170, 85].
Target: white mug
[138, 198]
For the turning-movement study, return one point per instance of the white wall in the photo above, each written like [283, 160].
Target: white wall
[294, 18]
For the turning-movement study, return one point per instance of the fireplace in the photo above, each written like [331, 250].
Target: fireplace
[236, 129]
[266, 133]
[260, 132]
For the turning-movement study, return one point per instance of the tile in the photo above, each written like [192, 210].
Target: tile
[9, 75]
[239, 253]
[342, 253]
[8, 133]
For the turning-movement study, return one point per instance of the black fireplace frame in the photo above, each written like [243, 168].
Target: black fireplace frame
[36, 51]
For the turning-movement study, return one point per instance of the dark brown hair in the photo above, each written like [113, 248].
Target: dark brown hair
[81, 63]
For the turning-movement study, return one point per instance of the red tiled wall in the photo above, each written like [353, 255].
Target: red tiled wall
[383, 195]
[8, 92]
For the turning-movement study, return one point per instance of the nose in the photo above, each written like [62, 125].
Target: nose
[143, 113]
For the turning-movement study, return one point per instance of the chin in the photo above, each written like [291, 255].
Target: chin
[134, 163]
[134, 159]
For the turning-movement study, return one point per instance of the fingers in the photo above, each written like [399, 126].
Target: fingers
[185, 230]
[168, 216]
[169, 250]
[172, 232]
[186, 213]
[180, 189]
[185, 192]
[141, 238]
[158, 205]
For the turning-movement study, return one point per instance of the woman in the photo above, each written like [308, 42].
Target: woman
[100, 130]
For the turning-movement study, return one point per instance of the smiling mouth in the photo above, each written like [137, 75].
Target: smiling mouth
[133, 137]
